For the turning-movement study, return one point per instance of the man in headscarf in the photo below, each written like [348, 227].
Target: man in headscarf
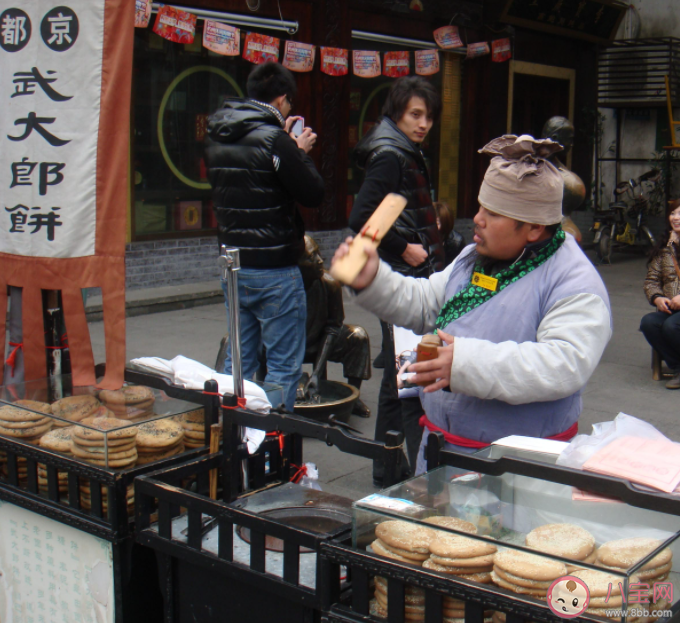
[523, 314]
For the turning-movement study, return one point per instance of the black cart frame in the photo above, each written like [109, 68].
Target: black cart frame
[352, 606]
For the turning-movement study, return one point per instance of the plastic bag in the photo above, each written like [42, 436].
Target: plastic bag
[310, 478]
[582, 447]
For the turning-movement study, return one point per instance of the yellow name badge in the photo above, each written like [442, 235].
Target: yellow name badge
[484, 281]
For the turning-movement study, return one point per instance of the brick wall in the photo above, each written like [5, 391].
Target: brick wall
[171, 262]
[192, 260]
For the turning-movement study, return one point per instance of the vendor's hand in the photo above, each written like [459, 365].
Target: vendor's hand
[675, 303]
[306, 140]
[368, 272]
[414, 254]
[663, 304]
[436, 371]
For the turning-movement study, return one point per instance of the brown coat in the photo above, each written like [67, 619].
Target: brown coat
[662, 279]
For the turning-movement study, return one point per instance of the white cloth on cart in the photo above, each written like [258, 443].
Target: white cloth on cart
[191, 374]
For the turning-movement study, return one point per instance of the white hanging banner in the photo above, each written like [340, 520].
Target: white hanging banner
[50, 83]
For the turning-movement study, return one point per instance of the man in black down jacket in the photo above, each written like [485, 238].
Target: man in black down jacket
[257, 171]
[390, 154]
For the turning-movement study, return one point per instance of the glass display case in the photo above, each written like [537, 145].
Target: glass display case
[520, 536]
[118, 430]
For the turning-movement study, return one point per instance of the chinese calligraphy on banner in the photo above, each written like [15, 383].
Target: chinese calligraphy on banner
[52, 572]
[63, 201]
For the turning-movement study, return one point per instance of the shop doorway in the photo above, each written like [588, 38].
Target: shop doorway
[536, 93]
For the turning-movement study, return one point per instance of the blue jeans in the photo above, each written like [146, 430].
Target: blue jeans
[273, 315]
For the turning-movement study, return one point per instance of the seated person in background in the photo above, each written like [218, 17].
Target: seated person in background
[662, 288]
[452, 241]
[328, 338]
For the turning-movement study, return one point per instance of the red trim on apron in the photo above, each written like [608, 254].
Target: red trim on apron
[464, 442]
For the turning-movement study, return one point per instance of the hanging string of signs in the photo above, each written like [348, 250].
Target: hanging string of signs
[180, 26]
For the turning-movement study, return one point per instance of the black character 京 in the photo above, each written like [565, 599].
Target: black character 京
[59, 28]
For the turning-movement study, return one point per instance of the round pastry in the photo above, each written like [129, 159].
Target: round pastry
[109, 427]
[127, 395]
[8, 414]
[529, 566]
[562, 539]
[75, 408]
[159, 434]
[453, 523]
[454, 546]
[59, 439]
[379, 548]
[35, 405]
[624, 553]
[405, 535]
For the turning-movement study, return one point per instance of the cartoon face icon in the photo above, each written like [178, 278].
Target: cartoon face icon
[568, 597]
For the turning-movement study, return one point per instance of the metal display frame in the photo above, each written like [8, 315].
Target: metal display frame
[131, 600]
[227, 581]
[352, 606]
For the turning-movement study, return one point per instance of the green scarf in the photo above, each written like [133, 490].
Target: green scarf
[473, 296]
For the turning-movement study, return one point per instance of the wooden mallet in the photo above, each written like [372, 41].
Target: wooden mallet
[347, 268]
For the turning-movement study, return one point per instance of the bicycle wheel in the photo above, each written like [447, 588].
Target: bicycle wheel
[648, 236]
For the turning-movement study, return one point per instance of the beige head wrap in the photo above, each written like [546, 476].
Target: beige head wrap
[520, 182]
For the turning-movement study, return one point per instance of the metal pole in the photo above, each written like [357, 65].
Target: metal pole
[230, 263]
[239, 19]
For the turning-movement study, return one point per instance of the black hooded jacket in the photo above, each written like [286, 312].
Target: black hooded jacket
[393, 163]
[257, 172]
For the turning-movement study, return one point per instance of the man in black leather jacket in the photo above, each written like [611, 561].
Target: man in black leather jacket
[390, 154]
[258, 170]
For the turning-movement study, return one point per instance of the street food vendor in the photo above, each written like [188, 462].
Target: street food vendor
[523, 315]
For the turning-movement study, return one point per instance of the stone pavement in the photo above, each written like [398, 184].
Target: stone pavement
[622, 381]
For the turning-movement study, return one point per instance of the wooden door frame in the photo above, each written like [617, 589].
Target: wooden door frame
[545, 71]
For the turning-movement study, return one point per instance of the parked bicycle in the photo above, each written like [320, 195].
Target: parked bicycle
[624, 222]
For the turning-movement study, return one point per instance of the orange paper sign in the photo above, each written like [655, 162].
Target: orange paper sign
[299, 56]
[334, 61]
[651, 462]
[448, 37]
[261, 48]
[500, 50]
[366, 64]
[397, 64]
[142, 13]
[175, 25]
[477, 49]
[221, 38]
[427, 62]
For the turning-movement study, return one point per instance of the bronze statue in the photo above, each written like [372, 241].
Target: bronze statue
[560, 129]
[328, 338]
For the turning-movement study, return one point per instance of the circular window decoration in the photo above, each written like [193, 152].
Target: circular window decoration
[178, 135]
